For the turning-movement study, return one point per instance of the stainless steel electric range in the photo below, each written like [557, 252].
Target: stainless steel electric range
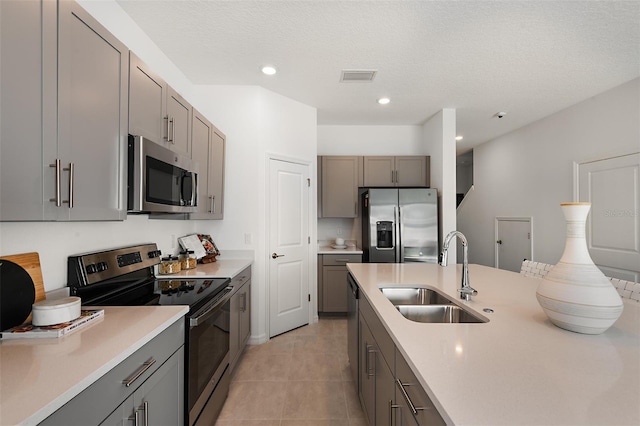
[125, 277]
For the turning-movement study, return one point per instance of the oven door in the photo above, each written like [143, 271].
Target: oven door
[208, 360]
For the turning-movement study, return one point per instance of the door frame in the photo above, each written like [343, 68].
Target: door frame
[311, 254]
[496, 260]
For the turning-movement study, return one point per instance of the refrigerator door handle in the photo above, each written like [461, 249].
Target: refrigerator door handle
[396, 232]
[400, 252]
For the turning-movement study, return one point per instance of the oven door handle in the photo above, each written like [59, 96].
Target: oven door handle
[211, 309]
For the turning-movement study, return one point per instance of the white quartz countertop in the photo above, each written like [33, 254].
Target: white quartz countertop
[518, 368]
[38, 376]
[347, 250]
[221, 268]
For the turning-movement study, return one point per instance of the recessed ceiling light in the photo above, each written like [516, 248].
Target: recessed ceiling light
[269, 70]
[458, 138]
[384, 101]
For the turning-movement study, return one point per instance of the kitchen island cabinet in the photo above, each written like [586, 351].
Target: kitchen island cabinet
[77, 379]
[64, 114]
[541, 374]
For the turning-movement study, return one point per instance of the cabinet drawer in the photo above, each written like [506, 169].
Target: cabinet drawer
[340, 259]
[96, 402]
[380, 334]
[240, 279]
[426, 411]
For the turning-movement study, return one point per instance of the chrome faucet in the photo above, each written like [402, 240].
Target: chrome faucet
[466, 291]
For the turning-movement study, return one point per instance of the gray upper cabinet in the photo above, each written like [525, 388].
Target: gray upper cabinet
[156, 110]
[208, 149]
[340, 178]
[64, 114]
[147, 102]
[179, 115]
[397, 171]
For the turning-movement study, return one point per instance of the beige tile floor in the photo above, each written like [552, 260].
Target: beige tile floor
[300, 378]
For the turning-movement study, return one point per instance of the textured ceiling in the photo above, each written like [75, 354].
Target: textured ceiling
[528, 58]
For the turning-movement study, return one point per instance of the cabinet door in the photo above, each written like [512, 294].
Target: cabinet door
[379, 171]
[179, 112]
[367, 370]
[385, 392]
[334, 289]
[92, 116]
[24, 43]
[147, 102]
[412, 171]
[124, 415]
[234, 329]
[201, 152]
[161, 396]
[341, 177]
[245, 314]
[216, 174]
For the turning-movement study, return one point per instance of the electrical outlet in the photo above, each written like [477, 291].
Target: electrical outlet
[339, 232]
[247, 238]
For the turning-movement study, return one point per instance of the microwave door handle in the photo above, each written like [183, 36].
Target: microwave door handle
[194, 188]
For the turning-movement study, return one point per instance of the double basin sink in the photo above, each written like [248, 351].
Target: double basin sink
[422, 304]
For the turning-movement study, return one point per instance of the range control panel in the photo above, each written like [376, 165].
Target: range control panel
[91, 268]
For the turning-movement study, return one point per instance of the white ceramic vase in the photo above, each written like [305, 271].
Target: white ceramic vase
[575, 294]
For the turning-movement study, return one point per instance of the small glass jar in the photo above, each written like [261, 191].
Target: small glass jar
[169, 265]
[188, 259]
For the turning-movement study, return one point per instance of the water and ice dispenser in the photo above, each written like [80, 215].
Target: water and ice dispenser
[384, 234]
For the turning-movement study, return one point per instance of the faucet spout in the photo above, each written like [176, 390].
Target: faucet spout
[466, 291]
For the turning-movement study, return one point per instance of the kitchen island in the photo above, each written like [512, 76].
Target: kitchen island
[39, 376]
[517, 368]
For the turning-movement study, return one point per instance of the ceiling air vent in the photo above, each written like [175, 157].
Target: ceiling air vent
[362, 76]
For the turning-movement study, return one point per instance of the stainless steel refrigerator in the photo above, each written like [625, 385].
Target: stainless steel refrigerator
[399, 225]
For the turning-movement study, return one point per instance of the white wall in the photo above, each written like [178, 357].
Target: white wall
[439, 133]
[529, 172]
[255, 121]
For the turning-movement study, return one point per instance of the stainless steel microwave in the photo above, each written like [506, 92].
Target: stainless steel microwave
[159, 180]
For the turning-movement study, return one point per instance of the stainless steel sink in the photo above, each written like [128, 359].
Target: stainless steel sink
[422, 304]
[450, 314]
[414, 296]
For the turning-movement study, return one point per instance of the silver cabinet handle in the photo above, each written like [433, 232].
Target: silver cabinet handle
[145, 366]
[392, 176]
[342, 260]
[56, 200]
[391, 407]
[276, 255]
[145, 410]
[134, 418]
[213, 204]
[70, 200]
[210, 204]
[173, 130]
[168, 138]
[405, 395]
[371, 371]
[244, 302]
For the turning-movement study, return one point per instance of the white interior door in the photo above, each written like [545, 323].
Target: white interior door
[288, 246]
[612, 186]
[513, 242]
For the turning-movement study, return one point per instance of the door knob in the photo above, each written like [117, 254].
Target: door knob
[275, 255]
[499, 241]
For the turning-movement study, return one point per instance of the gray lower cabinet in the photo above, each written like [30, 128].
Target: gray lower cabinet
[155, 393]
[64, 114]
[240, 323]
[208, 150]
[377, 390]
[390, 393]
[332, 281]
